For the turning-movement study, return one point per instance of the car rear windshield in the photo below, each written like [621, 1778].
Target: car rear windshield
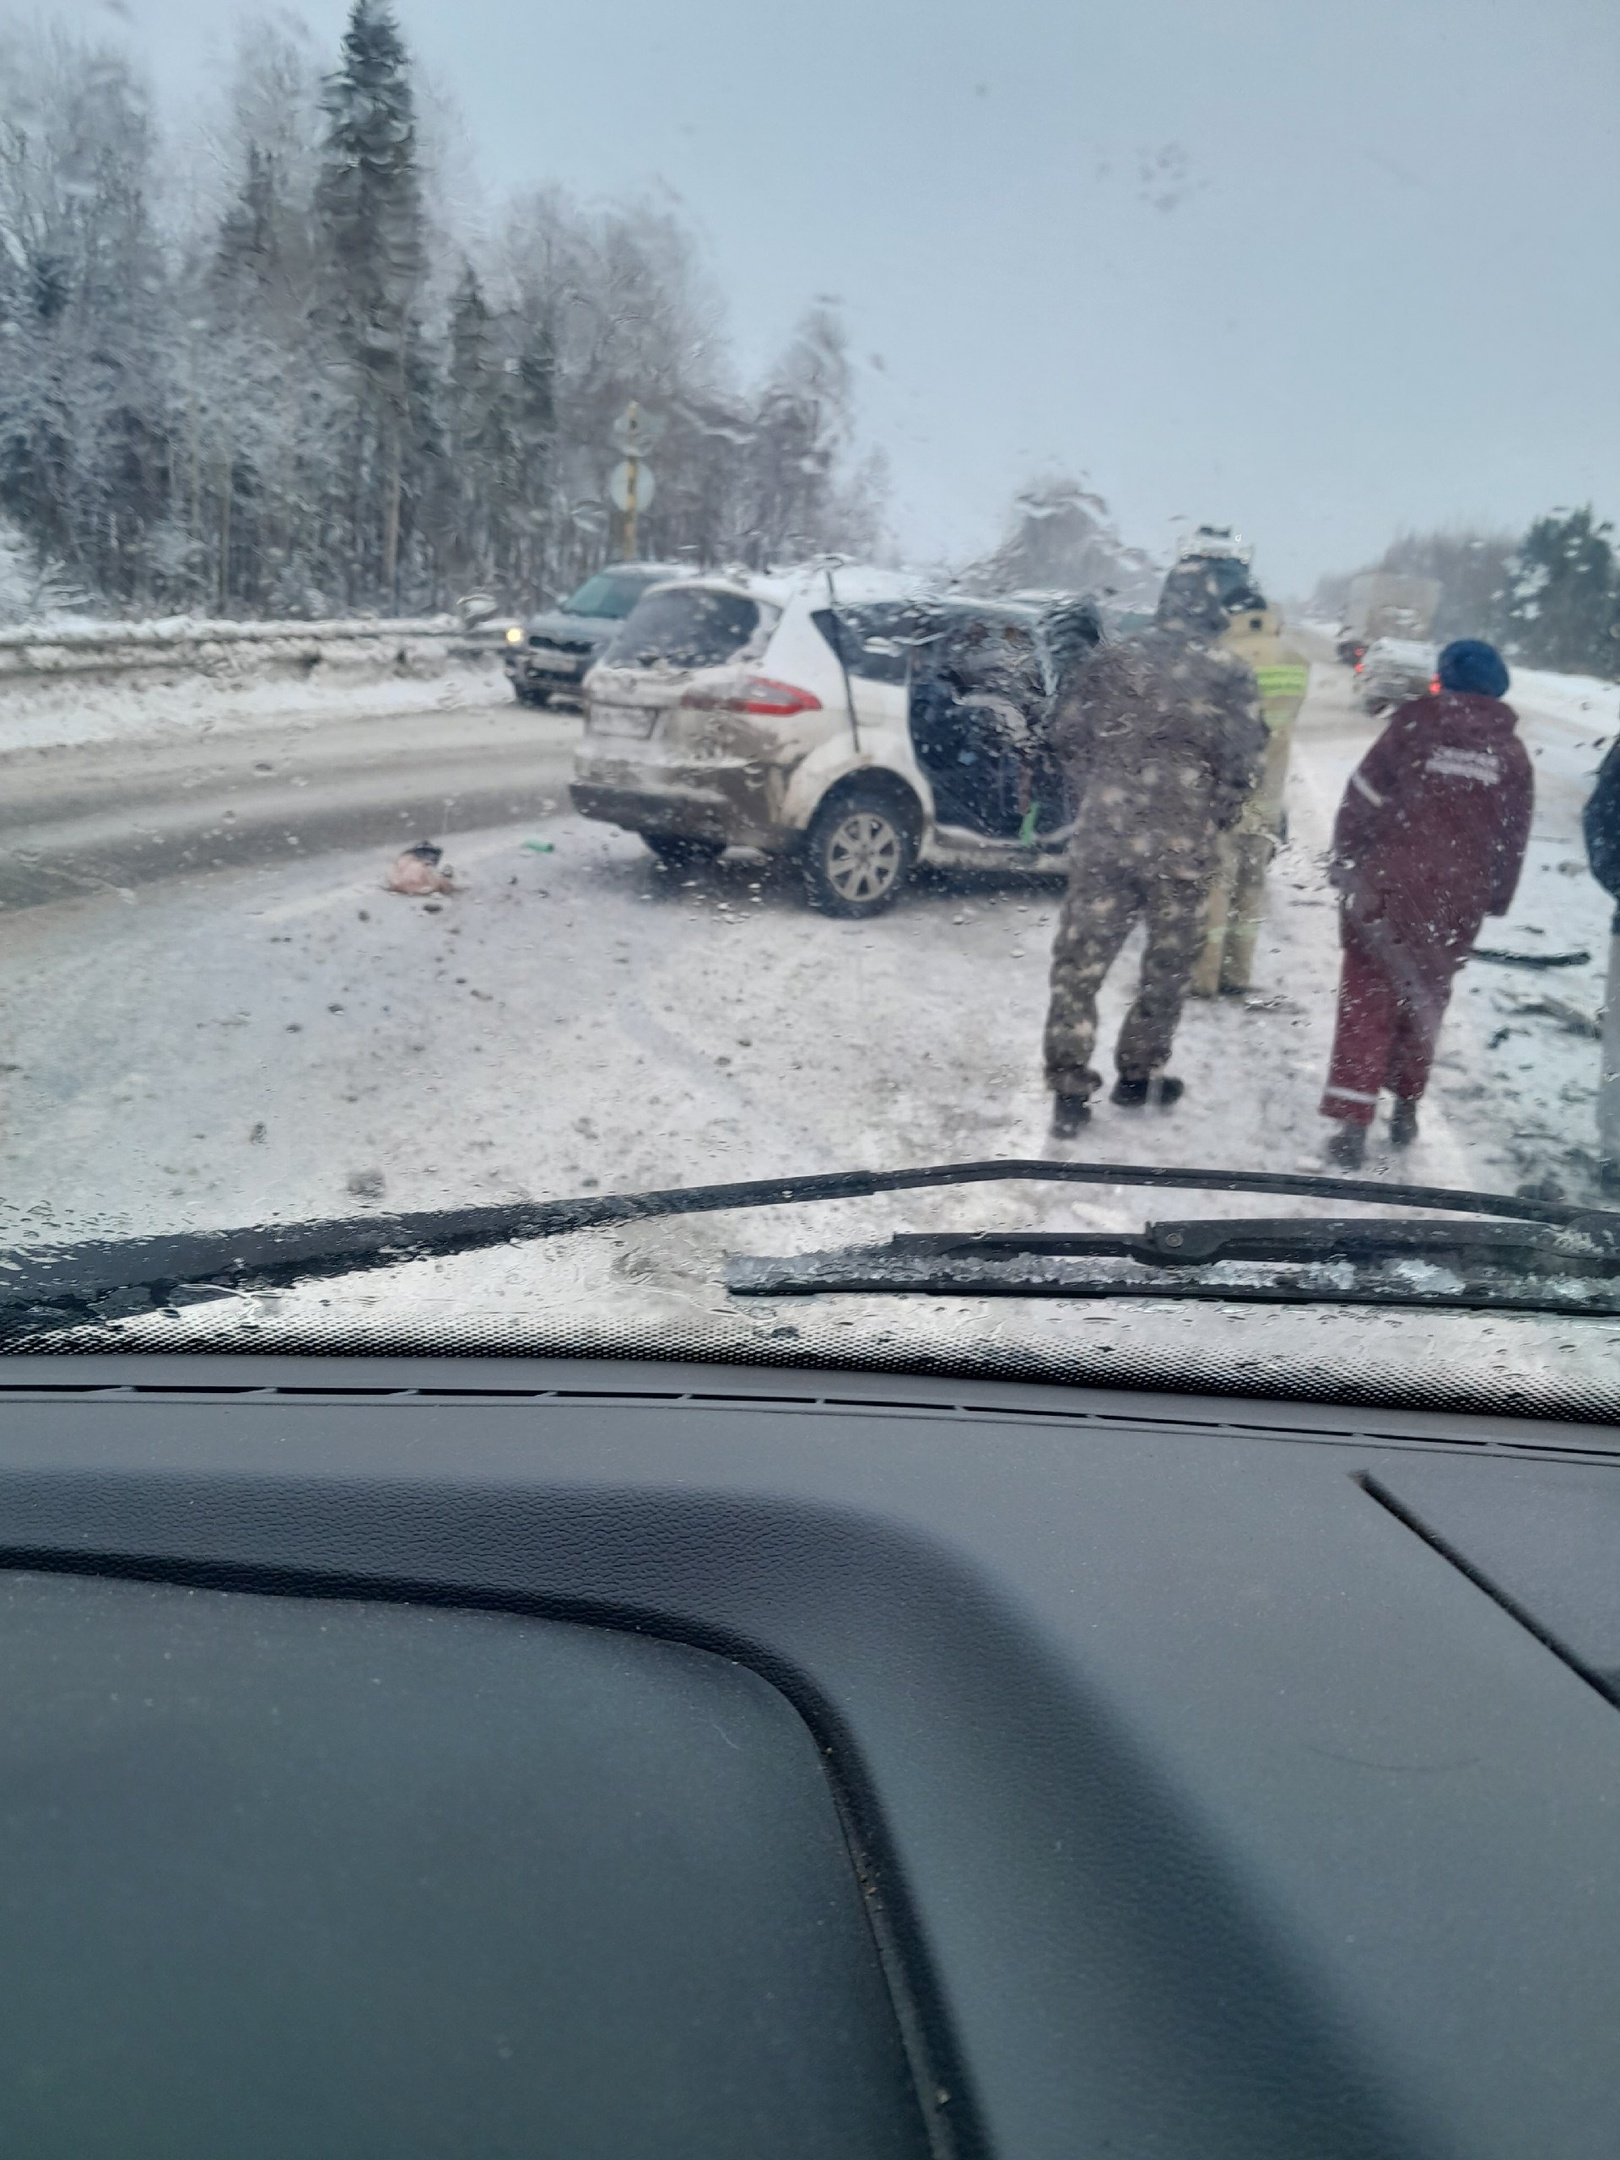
[686, 629]
[606, 595]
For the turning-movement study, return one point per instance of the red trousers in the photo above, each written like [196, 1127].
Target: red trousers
[1394, 987]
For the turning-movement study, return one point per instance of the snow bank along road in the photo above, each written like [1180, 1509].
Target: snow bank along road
[280, 1036]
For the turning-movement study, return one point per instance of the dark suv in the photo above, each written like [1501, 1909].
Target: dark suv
[548, 656]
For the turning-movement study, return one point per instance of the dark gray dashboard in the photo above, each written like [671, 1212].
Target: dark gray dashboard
[1153, 1777]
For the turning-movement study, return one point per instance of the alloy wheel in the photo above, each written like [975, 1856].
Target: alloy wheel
[865, 857]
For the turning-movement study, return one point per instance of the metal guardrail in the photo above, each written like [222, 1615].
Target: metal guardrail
[41, 649]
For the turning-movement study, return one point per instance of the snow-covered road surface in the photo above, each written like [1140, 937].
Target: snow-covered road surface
[272, 781]
[285, 1039]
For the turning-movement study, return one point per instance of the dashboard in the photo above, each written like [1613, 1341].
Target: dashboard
[411, 1756]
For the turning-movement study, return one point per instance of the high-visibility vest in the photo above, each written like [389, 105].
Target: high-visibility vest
[1256, 636]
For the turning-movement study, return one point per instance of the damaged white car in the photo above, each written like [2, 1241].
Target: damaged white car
[845, 717]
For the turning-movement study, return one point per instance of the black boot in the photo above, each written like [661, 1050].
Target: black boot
[1347, 1150]
[1403, 1122]
[1069, 1113]
[1135, 1094]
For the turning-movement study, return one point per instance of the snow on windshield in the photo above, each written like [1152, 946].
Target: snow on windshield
[1150, 729]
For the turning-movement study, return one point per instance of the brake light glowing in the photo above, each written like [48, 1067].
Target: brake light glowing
[755, 694]
[1434, 686]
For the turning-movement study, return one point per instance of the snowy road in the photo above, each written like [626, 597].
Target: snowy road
[217, 781]
[280, 1037]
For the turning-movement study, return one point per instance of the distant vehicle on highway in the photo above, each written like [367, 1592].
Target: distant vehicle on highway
[1393, 670]
[1385, 606]
[860, 724]
[547, 656]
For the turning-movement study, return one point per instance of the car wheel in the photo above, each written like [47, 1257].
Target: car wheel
[858, 852]
[682, 851]
[526, 694]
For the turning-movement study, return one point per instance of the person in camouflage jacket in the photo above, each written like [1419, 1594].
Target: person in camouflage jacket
[1163, 742]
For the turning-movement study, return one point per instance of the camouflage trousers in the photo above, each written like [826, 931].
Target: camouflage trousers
[1108, 893]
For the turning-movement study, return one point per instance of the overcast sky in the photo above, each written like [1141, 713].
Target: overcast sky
[1320, 270]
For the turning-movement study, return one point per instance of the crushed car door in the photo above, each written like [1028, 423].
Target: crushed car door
[978, 714]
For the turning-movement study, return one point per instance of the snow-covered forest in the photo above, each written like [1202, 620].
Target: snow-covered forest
[277, 369]
[1550, 596]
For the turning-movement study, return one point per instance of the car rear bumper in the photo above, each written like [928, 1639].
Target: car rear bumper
[692, 812]
[658, 810]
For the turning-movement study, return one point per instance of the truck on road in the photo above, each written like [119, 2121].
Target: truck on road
[1387, 604]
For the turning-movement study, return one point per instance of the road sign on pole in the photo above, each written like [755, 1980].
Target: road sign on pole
[631, 486]
[636, 431]
[631, 489]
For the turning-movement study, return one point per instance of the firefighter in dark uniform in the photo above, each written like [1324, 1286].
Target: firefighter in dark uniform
[1163, 742]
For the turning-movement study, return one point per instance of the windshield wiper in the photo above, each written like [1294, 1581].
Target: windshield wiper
[47, 1288]
[1289, 1237]
[1529, 1266]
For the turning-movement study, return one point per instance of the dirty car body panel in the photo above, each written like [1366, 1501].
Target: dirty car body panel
[742, 747]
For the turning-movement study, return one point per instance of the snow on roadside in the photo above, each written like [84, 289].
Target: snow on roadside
[47, 713]
[1582, 699]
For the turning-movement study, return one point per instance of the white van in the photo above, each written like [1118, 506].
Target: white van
[845, 717]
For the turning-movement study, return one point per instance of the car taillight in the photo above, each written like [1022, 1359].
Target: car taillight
[1360, 664]
[755, 694]
[1434, 686]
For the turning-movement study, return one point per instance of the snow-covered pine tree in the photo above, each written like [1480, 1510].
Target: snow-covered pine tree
[369, 211]
[522, 497]
[1561, 608]
[1061, 537]
[475, 436]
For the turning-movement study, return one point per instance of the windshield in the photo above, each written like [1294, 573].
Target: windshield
[684, 629]
[605, 596]
[1113, 663]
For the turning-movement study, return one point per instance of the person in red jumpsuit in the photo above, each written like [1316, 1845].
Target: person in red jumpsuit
[1429, 840]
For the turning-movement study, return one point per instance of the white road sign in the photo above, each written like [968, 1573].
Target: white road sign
[619, 485]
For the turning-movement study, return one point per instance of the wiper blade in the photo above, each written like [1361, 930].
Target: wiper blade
[1529, 1267]
[1289, 1237]
[43, 1289]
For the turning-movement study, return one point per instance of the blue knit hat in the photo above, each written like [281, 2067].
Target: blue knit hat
[1468, 663]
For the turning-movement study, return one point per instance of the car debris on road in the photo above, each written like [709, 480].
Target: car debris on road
[416, 872]
[1499, 958]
